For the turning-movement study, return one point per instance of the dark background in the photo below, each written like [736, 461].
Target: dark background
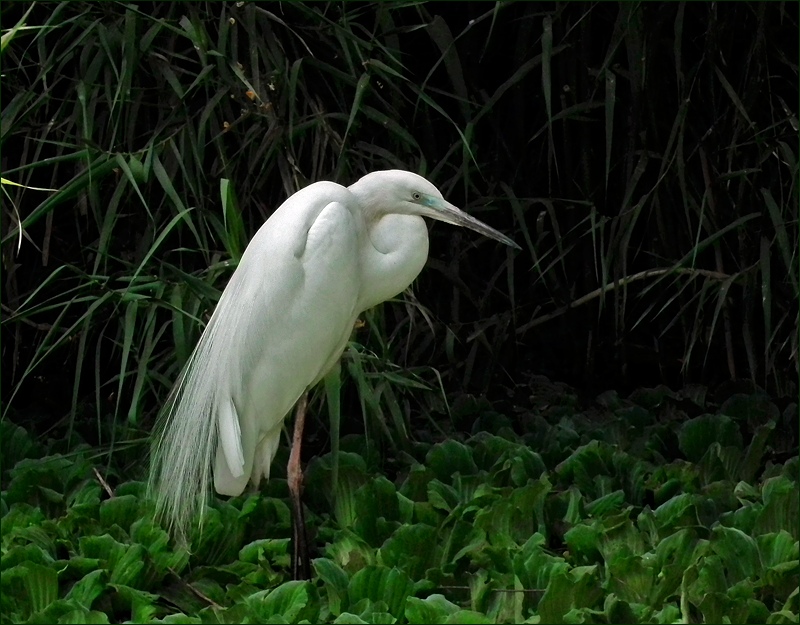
[670, 146]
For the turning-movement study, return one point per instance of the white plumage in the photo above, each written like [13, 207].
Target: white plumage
[326, 254]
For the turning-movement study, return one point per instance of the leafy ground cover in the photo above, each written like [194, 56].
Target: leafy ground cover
[661, 507]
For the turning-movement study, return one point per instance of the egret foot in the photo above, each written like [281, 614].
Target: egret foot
[300, 563]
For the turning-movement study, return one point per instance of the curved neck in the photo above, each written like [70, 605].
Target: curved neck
[393, 254]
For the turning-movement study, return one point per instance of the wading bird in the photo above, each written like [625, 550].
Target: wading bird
[327, 254]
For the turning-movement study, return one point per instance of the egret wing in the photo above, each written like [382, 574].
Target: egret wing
[307, 306]
[283, 319]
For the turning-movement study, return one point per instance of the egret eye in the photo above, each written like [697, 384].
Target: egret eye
[416, 196]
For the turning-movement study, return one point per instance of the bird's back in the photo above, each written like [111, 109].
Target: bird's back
[281, 323]
[299, 282]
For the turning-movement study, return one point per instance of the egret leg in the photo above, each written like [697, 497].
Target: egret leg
[300, 564]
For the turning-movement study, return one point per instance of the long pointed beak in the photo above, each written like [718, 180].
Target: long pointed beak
[442, 210]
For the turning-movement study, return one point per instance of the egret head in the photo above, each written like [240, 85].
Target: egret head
[402, 192]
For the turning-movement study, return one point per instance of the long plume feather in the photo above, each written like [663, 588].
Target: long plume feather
[187, 435]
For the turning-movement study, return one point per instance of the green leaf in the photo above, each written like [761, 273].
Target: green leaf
[349, 551]
[753, 407]
[433, 609]
[378, 510]
[127, 569]
[442, 496]
[513, 519]
[781, 509]
[9, 35]
[698, 434]
[558, 597]
[293, 601]
[234, 236]
[585, 465]
[37, 583]
[602, 506]
[140, 603]
[777, 549]
[101, 547]
[412, 548]
[350, 619]
[120, 510]
[676, 512]
[67, 611]
[582, 541]
[448, 458]
[467, 617]
[86, 590]
[380, 583]
[17, 554]
[335, 581]
[738, 551]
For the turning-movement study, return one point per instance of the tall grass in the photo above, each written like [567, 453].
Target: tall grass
[644, 155]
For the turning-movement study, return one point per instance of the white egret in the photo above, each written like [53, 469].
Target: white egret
[327, 254]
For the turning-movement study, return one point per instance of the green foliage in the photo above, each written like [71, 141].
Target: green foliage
[476, 530]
